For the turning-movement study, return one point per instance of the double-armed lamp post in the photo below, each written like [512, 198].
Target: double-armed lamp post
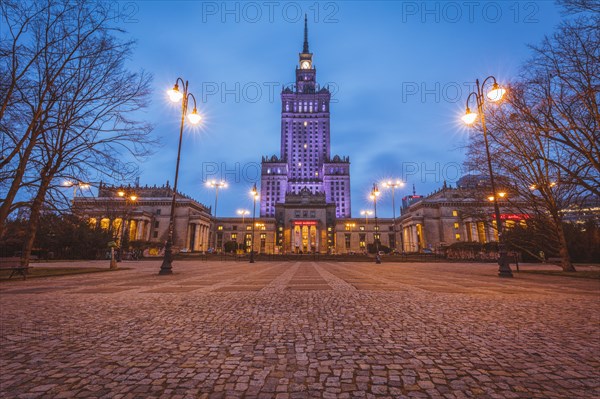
[243, 213]
[76, 185]
[254, 194]
[216, 185]
[393, 184]
[366, 213]
[495, 94]
[130, 198]
[374, 194]
[176, 95]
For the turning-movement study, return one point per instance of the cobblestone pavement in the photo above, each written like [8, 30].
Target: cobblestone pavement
[300, 330]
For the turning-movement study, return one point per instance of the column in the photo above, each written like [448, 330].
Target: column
[196, 243]
[188, 236]
[205, 238]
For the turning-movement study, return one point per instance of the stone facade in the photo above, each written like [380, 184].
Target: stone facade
[452, 215]
[239, 230]
[353, 235]
[146, 211]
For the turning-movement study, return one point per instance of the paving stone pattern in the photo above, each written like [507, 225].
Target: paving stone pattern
[290, 330]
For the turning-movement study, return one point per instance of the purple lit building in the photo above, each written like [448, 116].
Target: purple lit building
[305, 164]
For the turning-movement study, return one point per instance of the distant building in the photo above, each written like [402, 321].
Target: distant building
[146, 218]
[452, 215]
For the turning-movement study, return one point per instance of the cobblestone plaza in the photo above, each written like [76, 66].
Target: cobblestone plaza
[300, 330]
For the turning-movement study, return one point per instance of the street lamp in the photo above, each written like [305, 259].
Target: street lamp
[243, 212]
[194, 118]
[254, 194]
[216, 185]
[366, 213]
[129, 197]
[494, 95]
[75, 185]
[393, 184]
[374, 194]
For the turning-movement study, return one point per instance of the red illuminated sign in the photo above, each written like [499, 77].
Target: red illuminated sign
[512, 216]
[305, 223]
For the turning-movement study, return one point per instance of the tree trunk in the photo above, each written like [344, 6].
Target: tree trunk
[16, 183]
[563, 251]
[34, 220]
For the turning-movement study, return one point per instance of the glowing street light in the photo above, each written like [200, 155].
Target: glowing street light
[469, 117]
[75, 185]
[176, 95]
[216, 185]
[494, 95]
[366, 214]
[243, 213]
[255, 195]
[374, 195]
[393, 184]
[130, 198]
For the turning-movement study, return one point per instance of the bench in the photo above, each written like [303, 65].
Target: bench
[14, 265]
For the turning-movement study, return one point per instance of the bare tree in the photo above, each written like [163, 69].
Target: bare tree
[66, 97]
[545, 136]
[83, 129]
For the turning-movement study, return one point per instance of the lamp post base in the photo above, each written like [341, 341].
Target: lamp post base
[251, 257]
[113, 261]
[167, 268]
[504, 267]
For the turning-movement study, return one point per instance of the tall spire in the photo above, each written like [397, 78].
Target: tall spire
[305, 48]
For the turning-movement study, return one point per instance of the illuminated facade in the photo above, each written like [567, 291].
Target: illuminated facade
[147, 217]
[453, 214]
[305, 162]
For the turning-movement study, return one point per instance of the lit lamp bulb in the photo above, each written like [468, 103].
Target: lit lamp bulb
[496, 93]
[174, 94]
[121, 193]
[469, 117]
[194, 117]
[133, 197]
[491, 198]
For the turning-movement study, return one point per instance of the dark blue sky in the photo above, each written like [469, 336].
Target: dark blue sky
[400, 73]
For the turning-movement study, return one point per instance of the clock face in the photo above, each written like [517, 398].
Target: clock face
[305, 65]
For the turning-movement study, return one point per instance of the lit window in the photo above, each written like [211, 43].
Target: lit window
[220, 228]
[457, 237]
[454, 213]
[456, 225]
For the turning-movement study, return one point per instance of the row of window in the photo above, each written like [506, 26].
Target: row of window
[259, 226]
[304, 213]
[298, 106]
[362, 228]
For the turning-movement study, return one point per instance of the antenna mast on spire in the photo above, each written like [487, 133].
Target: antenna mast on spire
[305, 48]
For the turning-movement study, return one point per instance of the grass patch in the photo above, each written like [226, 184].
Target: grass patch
[589, 274]
[37, 272]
